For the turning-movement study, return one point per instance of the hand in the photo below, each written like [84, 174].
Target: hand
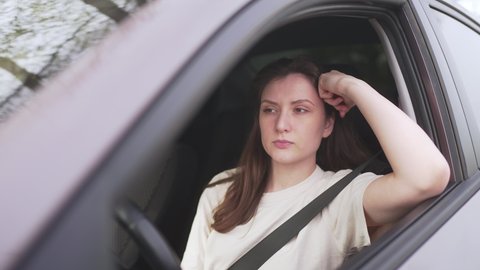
[334, 88]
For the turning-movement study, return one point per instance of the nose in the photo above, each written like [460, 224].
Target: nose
[283, 122]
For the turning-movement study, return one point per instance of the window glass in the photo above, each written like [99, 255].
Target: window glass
[461, 44]
[39, 38]
[472, 7]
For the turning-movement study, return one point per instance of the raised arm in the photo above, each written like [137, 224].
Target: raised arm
[419, 169]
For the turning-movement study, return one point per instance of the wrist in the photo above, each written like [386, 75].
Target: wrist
[357, 89]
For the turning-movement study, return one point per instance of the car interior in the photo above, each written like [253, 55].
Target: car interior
[214, 138]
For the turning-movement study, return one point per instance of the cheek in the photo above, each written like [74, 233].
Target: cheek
[263, 128]
[315, 137]
[314, 131]
[265, 124]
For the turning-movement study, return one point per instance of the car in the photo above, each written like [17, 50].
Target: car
[103, 166]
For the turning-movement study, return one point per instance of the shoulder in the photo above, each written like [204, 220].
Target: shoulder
[350, 199]
[221, 181]
[346, 210]
[217, 179]
[217, 187]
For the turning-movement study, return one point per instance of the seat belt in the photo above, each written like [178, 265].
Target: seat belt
[269, 245]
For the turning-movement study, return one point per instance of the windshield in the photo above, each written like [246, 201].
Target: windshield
[40, 38]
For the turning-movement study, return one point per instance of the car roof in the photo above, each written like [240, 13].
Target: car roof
[51, 146]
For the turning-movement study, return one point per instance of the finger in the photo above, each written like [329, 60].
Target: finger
[329, 81]
[336, 101]
[332, 81]
[323, 81]
[324, 94]
[343, 109]
[330, 102]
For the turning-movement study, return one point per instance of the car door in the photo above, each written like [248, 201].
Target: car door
[452, 36]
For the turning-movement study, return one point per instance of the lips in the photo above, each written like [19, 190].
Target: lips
[282, 144]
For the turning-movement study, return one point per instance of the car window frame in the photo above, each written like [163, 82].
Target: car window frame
[287, 13]
[235, 35]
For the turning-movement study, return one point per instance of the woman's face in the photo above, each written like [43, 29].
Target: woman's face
[292, 120]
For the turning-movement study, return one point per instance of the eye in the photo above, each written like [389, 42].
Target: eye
[301, 110]
[268, 110]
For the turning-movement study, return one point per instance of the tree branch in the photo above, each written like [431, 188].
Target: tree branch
[109, 8]
[28, 79]
[141, 2]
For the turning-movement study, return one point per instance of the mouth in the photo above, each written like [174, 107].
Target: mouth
[282, 144]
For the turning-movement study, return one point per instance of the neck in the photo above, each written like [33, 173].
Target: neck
[286, 175]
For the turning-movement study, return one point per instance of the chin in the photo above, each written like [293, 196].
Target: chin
[284, 160]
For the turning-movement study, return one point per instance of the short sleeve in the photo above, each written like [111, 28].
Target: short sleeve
[350, 226]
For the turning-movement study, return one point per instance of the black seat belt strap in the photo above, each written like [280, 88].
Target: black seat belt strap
[269, 245]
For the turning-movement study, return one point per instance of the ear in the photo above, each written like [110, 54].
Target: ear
[329, 124]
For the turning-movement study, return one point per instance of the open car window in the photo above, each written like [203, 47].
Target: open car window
[213, 140]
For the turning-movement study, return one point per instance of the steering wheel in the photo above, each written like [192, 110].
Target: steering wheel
[152, 245]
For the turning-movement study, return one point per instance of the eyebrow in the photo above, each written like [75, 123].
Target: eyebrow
[293, 102]
[303, 101]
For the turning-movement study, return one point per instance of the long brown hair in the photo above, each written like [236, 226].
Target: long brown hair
[249, 182]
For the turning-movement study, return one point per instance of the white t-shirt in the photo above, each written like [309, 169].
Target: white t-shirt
[321, 244]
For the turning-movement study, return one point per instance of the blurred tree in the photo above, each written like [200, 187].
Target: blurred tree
[40, 38]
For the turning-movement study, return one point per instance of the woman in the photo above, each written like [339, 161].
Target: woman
[278, 173]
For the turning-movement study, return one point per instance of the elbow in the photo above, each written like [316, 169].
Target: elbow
[436, 179]
[442, 177]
